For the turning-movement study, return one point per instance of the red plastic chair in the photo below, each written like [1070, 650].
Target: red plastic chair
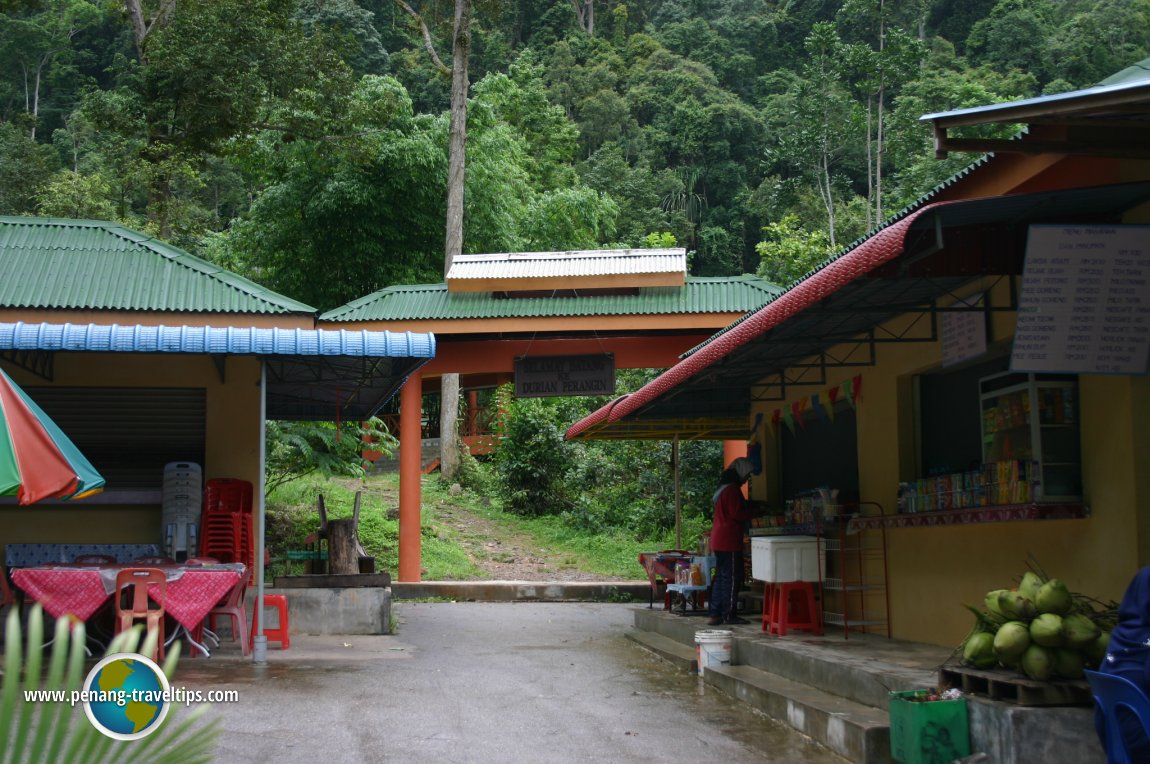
[132, 585]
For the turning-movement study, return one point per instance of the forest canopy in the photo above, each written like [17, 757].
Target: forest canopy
[281, 138]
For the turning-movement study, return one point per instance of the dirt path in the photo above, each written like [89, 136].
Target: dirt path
[504, 556]
[500, 554]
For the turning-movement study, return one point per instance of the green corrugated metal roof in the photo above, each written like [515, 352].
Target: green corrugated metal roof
[735, 294]
[61, 264]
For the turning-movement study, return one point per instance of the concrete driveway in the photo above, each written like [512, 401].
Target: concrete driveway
[484, 682]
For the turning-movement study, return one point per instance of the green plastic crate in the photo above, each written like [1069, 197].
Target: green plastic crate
[927, 732]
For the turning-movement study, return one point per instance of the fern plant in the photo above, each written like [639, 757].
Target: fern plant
[56, 731]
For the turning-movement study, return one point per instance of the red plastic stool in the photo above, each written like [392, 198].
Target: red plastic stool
[281, 631]
[793, 607]
[768, 604]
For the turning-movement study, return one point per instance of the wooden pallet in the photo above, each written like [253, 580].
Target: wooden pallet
[1012, 687]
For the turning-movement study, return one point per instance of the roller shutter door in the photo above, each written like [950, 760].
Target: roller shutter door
[129, 434]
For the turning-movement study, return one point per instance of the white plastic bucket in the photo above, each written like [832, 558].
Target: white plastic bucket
[712, 648]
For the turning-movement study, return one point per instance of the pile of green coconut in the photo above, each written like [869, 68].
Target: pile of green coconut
[1040, 629]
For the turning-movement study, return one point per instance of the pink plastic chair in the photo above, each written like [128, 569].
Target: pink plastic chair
[231, 607]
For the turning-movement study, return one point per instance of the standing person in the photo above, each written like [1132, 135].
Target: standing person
[731, 513]
[1128, 656]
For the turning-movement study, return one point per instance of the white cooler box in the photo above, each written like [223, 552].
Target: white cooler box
[779, 559]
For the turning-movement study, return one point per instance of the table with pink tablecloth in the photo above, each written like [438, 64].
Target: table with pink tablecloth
[81, 590]
[660, 567]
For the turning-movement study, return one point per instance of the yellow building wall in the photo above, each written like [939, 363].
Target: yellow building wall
[231, 449]
[933, 572]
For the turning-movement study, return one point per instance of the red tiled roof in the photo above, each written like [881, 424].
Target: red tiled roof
[881, 248]
[592, 419]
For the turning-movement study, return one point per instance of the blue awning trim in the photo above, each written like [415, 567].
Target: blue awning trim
[116, 338]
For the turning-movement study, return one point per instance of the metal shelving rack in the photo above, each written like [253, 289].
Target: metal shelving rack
[854, 588]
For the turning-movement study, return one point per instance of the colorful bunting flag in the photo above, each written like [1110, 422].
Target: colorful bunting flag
[797, 411]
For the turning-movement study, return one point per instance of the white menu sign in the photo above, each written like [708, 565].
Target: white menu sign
[1085, 304]
[963, 333]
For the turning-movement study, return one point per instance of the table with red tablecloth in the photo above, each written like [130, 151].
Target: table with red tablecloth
[81, 590]
[660, 567]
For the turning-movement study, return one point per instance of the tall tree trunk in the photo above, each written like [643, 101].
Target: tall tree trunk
[449, 427]
[457, 153]
[456, 163]
[869, 166]
[826, 190]
[881, 94]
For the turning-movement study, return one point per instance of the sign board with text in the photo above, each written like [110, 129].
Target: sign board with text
[963, 332]
[558, 375]
[1085, 302]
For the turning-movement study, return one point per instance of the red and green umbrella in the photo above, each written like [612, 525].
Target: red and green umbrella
[37, 461]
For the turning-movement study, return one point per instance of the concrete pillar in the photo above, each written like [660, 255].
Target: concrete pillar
[410, 453]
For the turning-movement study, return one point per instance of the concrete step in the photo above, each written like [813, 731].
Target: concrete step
[523, 591]
[676, 653]
[858, 671]
[854, 731]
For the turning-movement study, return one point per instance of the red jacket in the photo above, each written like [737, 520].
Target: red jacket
[731, 513]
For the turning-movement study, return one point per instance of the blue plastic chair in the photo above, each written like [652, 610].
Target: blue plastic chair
[1122, 704]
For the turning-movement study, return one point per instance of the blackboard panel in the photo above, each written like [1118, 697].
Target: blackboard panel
[823, 453]
[950, 418]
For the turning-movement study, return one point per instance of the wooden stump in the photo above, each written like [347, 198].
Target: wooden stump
[343, 543]
[343, 546]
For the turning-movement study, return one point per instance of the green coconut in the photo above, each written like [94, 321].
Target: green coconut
[991, 601]
[1038, 662]
[1046, 630]
[1079, 630]
[1053, 597]
[1016, 607]
[978, 651]
[1095, 652]
[1011, 641]
[1030, 585]
[1069, 663]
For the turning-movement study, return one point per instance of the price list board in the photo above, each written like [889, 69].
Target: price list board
[1085, 302]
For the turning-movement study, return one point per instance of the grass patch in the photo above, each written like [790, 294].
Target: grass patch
[293, 515]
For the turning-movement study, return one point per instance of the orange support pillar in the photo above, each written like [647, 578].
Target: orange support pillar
[733, 449]
[410, 453]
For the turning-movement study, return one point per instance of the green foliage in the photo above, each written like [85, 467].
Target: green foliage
[597, 488]
[532, 460]
[286, 138]
[296, 449]
[36, 732]
[474, 475]
[25, 169]
[661, 240]
[788, 251]
[72, 195]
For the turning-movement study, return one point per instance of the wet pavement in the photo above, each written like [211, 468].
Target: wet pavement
[483, 682]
